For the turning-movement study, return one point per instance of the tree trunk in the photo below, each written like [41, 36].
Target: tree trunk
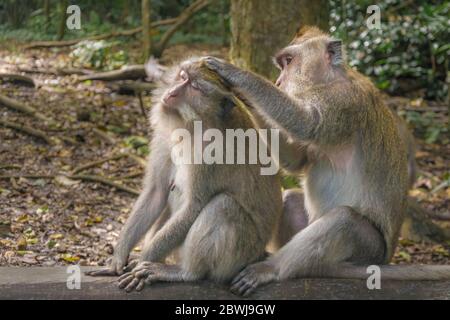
[261, 27]
[146, 39]
[47, 14]
[62, 16]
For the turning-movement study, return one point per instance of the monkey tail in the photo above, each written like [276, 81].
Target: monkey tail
[393, 272]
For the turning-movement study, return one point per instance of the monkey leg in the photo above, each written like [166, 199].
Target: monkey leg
[340, 236]
[293, 219]
[222, 241]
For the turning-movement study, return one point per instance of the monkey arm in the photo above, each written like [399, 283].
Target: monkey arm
[146, 210]
[171, 235]
[292, 157]
[148, 207]
[297, 118]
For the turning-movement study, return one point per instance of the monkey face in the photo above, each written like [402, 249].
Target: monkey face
[194, 92]
[311, 59]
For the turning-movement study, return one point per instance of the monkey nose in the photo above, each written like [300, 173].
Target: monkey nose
[278, 82]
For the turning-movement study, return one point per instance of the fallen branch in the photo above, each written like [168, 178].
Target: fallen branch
[182, 19]
[26, 176]
[140, 161]
[67, 43]
[20, 107]
[131, 87]
[90, 178]
[56, 72]
[98, 162]
[30, 131]
[10, 166]
[130, 176]
[104, 136]
[18, 78]
[132, 72]
[105, 181]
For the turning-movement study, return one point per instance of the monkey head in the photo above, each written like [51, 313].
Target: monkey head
[312, 58]
[193, 92]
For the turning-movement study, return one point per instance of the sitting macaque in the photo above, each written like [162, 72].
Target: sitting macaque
[219, 216]
[338, 132]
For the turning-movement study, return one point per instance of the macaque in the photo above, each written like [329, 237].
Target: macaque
[337, 131]
[220, 217]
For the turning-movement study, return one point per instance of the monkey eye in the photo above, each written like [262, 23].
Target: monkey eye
[287, 59]
[195, 85]
[183, 75]
[284, 60]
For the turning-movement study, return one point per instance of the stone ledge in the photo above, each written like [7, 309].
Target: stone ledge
[50, 283]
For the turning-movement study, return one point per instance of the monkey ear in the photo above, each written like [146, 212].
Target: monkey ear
[226, 105]
[335, 55]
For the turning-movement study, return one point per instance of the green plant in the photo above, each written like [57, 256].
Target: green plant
[427, 125]
[98, 54]
[408, 53]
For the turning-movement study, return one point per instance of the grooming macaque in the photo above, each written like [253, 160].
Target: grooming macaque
[219, 216]
[337, 130]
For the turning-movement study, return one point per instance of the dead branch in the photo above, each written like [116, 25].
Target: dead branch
[26, 176]
[67, 43]
[182, 19]
[56, 72]
[130, 176]
[140, 161]
[97, 163]
[90, 178]
[18, 78]
[105, 181]
[30, 131]
[131, 87]
[19, 106]
[132, 72]
[104, 136]
[10, 166]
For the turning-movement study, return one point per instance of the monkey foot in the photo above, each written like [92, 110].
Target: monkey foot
[252, 277]
[144, 273]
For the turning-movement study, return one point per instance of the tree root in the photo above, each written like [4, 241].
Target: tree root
[30, 131]
[18, 78]
[20, 107]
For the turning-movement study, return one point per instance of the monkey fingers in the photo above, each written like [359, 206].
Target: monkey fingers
[221, 67]
[131, 265]
[252, 277]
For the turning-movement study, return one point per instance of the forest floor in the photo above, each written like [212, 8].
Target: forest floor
[48, 218]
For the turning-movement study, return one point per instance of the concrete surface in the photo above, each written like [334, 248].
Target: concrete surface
[50, 283]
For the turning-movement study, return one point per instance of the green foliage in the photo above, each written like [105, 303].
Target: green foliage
[411, 44]
[140, 144]
[98, 55]
[428, 126]
[289, 182]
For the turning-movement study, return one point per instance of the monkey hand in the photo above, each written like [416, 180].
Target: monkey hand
[144, 273]
[252, 277]
[225, 70]
[116, 268]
